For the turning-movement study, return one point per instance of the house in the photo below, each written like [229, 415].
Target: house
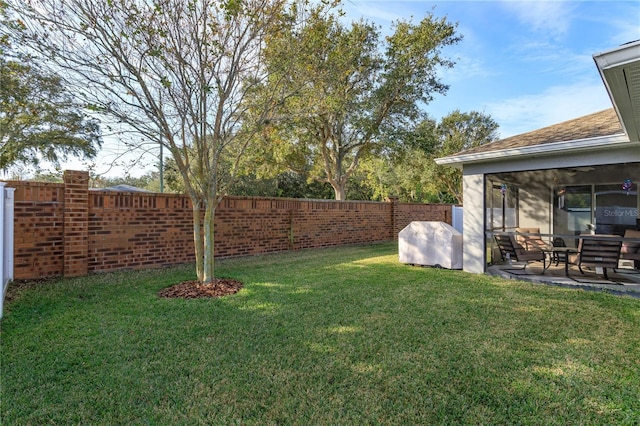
[122, 188]
[564, 179]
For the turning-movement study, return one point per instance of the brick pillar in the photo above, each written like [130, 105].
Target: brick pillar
[76, 223]
[394, 217]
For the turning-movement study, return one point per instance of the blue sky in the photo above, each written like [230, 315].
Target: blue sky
[528, 64]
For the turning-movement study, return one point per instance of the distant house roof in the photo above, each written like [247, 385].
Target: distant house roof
[121, 188]
[599, 124]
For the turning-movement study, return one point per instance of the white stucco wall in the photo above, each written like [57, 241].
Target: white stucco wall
[474, 255]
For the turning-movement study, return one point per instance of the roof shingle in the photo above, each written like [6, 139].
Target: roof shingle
[599, 124]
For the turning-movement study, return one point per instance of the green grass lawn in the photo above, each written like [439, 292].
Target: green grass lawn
[324, 337]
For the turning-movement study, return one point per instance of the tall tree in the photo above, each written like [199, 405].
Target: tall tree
[409, 170]
[400, 171]
[350, 90]
[456, 132]
[178, 72]
[39, 118]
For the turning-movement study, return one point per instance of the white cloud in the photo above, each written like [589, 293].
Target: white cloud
[554, 105]
[551, 18]
[467, 68]
[628, 30]
[621, 22]
[378, 11]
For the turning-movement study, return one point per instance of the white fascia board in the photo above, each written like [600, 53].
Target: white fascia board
[616, 66]
[554, 148]
[620, 55]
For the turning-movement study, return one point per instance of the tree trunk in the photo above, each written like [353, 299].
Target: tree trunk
[209, 242]
[339, 191]
[198, 239]
[203, 239]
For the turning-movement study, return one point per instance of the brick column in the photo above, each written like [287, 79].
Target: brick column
[394, 217]
[76, 223]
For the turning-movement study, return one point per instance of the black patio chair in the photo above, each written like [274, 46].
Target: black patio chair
[512, 251]
[599, 251]
[559, 256]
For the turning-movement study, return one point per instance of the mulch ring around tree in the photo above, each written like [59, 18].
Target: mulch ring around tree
[196, 290]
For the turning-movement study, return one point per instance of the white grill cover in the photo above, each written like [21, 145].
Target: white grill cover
[431, 244]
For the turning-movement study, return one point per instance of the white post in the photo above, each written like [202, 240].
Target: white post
[473, 245]
[6, 236]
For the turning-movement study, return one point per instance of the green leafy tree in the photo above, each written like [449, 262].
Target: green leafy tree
[286, 184]
[456, 132]
[350, 90]
[399, 171]
[39, 118]
[409, 171]
[180, 73]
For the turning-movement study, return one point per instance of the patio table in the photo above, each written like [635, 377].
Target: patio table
[557, 250]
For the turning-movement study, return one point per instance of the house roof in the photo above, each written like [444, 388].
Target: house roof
[121, 188]
[597, 131]
[599, 124]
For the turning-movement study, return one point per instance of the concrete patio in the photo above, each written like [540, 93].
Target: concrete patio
[624, 281]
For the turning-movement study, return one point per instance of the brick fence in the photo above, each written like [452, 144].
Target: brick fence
[68, 229]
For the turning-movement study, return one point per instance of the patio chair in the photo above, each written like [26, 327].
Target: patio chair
[530, 242]
[598, 251]
[559, 256]
[630, 249]
[511, 250]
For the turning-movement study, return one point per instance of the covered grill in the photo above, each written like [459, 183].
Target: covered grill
[430, 244]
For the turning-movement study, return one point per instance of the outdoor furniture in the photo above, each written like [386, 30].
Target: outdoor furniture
[563, 253]
[598, 251]
[511, 250]
[530, 242]
[558, 254]
[630, 250]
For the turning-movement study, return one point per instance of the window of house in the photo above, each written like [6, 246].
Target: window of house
[608, 207]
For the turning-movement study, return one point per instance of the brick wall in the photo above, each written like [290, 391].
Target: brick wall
[38, 229]
[67, 229]
[76, 223]
[408, 212]
[137, 230]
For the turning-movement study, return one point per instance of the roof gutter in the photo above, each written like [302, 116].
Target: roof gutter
[619, 69]
[553, 148]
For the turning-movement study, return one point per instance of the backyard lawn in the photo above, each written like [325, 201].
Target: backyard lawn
[336, 336]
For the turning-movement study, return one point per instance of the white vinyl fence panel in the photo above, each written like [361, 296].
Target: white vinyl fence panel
[6, 234]
[457, 218]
